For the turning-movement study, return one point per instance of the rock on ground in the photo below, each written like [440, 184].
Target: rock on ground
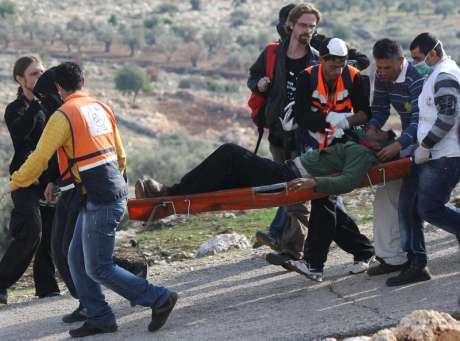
[223, 243]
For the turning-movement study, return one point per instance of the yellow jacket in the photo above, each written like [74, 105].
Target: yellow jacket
[57, 133]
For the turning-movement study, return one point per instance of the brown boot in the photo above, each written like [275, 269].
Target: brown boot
[154, 188]
[139, 190]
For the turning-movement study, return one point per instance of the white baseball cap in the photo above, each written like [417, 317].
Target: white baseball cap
[334, 47]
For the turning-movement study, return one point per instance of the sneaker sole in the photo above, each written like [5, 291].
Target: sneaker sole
[174, 299]
[312, 277]
[420, 279]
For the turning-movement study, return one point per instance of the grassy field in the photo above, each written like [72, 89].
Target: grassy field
[180, 238]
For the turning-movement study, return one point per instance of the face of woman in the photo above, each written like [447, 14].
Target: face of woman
[31, 75]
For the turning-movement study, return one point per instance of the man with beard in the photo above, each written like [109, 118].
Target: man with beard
[297, 29]
[293, 54]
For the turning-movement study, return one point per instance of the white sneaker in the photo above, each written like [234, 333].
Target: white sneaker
[360, 266]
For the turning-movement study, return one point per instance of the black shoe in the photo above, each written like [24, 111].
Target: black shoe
[77, 315]
[3, 296]
[280, 259]
[87, 329]
[385, 268]
[412, 274]
[161, 314]
[267, 238]
[50, 294]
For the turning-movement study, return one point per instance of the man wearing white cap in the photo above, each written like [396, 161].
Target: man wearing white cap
[330, 99]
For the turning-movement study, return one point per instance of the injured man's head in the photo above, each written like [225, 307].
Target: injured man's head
[377, 139]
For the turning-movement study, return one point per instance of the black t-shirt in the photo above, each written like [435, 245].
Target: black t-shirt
[279, 137]
[293, 68]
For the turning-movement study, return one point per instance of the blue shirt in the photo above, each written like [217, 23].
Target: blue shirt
[402, 94]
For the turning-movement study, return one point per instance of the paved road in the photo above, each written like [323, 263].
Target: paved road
[239, 297]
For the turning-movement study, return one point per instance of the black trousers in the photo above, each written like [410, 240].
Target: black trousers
[67, 209]
[30, 227]
[232, 166]
[328, 222]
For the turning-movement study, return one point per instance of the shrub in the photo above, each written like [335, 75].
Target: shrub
[7, 8]
[173, 156]
[170, 9]
[151, 22]
[132, 79]
[444, 8]
[105, 33]
[238, 18]
[133, 37]
[341, 31]
[196, 5]
[186, 33]
[216, 39]
[113, 20]
[207, 84]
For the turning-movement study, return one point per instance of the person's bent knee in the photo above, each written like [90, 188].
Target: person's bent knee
[228, 148]
[99, 272]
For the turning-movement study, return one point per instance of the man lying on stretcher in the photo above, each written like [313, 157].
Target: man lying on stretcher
[231, 166]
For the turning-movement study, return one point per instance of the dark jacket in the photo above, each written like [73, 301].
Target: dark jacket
[276, 95]
[25, 122]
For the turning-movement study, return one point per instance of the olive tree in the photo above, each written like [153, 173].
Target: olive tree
[132, 79]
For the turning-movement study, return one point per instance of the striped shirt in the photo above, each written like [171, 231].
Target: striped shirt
[402, 94]
[446, 99]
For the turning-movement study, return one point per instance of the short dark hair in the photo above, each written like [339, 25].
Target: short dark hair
[426, 42]
[69, 76]
[282, 18]
[387, 49]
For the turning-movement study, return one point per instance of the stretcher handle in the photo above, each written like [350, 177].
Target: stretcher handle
[164, 204]
[374, 187]
[270, 189]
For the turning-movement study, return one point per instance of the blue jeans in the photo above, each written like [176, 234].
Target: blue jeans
[91, 264]
[278, 223]
[424, 195]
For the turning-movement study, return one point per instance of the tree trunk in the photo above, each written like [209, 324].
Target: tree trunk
[135, 96]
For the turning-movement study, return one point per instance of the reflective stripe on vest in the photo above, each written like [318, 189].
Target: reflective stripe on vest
[320, 101]
[93, 124]
[66, 180]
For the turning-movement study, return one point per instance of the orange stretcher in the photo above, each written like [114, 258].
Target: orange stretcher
[151, 209]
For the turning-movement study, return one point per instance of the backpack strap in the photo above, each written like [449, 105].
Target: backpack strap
[348, 75]
[270, 60]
